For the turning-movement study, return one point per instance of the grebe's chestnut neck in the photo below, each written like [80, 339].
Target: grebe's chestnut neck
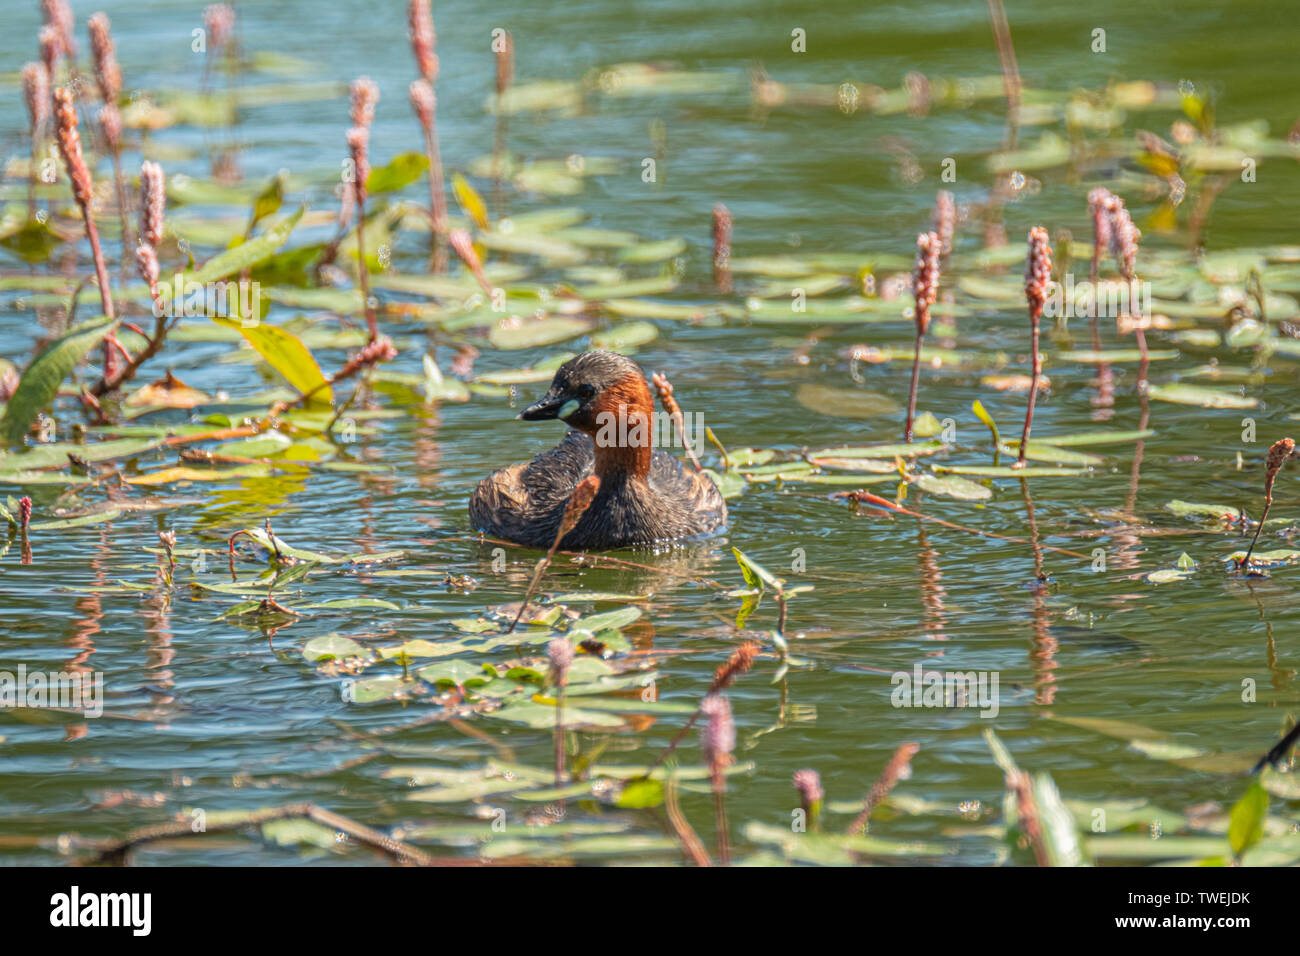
[605, 396]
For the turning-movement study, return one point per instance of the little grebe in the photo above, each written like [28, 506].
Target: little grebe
[645, 494]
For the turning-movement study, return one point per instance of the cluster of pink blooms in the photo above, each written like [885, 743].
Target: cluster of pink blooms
[945, 219]
[718, 735]
[925, 280]
[423, 39]
[1038, 270]
[65, 119]
[36, 93]
[219, 22]
[1113, 226]
[153, 200]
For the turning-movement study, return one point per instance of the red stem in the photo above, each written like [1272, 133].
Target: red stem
[1033, 386]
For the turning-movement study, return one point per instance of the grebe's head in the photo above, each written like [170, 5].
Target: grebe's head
[587, 385]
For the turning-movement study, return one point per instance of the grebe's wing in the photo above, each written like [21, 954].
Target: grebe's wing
[699, 499]
[524, 502]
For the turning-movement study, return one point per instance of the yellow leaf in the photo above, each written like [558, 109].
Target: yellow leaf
[185, 473]
[1164, 219]
[471, 203]
[285, 353]
[1159, 163]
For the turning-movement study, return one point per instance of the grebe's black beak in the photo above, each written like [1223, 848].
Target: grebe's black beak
[547, 407]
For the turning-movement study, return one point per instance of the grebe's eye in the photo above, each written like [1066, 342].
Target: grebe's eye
[586, 391]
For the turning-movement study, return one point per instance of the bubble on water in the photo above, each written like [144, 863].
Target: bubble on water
[1017, 181]
[1177, 190]
[41, 216]
[576, 163]
[847, 98]
[1186, 88]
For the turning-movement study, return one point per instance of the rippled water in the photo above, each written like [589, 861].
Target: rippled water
[221, 715]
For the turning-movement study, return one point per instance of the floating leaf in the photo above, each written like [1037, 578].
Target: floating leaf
[534, 333]
[1091, 438]
[653, 251]
[1038, 451]
[332, 648]
[879, 451]
[620, 338]
[953, 487]
[100, 517]
[1190, 509]
[1006, 471]
[1264, 559]
[177, 473]
[1167, 576]
[419, 648]
[844, 402]
[457, 672]
[641, 795]
[1201, 396]
[369, 690]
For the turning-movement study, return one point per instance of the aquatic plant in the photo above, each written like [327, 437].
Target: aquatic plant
[560, 652]
[664, 389]
[65, 118]
[424, 101]
[718, 740]
[898, 768]
[925, 287]
[108, 77]
[579, 501]
[722, 248]
[1278, 454]
[811, 795]
[1038, 273]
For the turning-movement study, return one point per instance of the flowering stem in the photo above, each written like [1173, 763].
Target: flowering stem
[559, 737]
[894, 771]
[1033, 386]
[120, 187]
[371, 324]
[911, 392]
[437, 196]
[690, 842]
[720, 815]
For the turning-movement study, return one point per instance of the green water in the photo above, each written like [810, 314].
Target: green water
[226, 715]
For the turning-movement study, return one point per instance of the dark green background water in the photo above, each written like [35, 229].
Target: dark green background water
[243, 727]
